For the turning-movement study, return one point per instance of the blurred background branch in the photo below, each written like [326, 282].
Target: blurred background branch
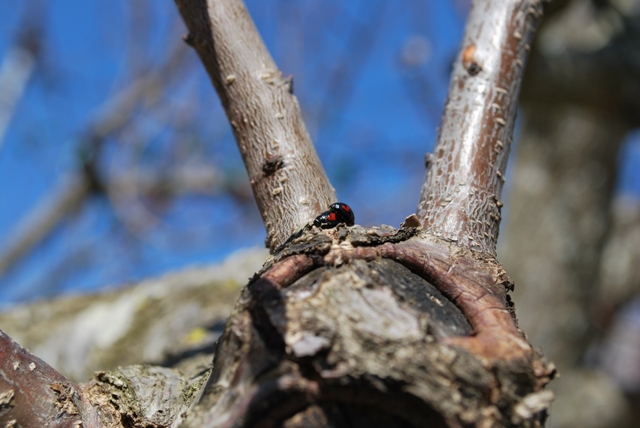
[19, 62]
[580, 104]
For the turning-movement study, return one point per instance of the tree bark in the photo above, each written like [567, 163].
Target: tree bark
[353, 326]
[460, 200]
[341, 325]
[288, 181]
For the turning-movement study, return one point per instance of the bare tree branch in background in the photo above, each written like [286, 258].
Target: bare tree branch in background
[580, 99]
[288, 181]
[342, 80]
[18, 65]
[44, 217]
[113, 116]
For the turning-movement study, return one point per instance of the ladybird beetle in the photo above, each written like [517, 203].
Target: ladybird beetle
[344, 213]
[338, 213]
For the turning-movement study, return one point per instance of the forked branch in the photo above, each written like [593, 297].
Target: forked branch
[356, 324]
[288, 181]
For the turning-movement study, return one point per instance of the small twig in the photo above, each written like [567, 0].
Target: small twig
[460, 200]
[288, 181]
[16, 68]
[43, 218]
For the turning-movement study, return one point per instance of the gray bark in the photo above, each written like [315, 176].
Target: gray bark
[349, 326]
[288, 181]
[342, 326]
[460, 199]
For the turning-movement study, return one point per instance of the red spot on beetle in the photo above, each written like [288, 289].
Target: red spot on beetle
[338, 213]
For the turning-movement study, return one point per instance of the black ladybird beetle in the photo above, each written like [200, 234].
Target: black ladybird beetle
[344, 213]
[338, 213]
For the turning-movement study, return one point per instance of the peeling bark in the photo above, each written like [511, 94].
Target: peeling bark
[342, 325]
[349, 324]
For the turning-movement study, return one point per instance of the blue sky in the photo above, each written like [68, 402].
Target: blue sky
[371, 79]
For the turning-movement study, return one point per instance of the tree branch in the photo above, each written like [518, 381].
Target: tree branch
[460, 199]
[43, 218]
[371, 326]
[113, 115]
[19, 64]
[34, 394]
[288, 181]
[331, 318]
[363, 322]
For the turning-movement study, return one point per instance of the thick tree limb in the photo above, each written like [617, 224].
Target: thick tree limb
[288, 181]
[328, 319]
[35, 395]
[338, 326]
[170, 321]
[460, 199]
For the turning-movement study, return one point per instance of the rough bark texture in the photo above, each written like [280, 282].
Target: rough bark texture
[170, 321]
[33, 394]
[460, 200]
[288, 181]
[341, 328]
[353, 326]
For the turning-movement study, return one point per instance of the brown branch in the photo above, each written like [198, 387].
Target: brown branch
[460, 199]
[340, 317]
[357, 324]
[330, 318]
[33, 394]
[288, 181]
[43, 218]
